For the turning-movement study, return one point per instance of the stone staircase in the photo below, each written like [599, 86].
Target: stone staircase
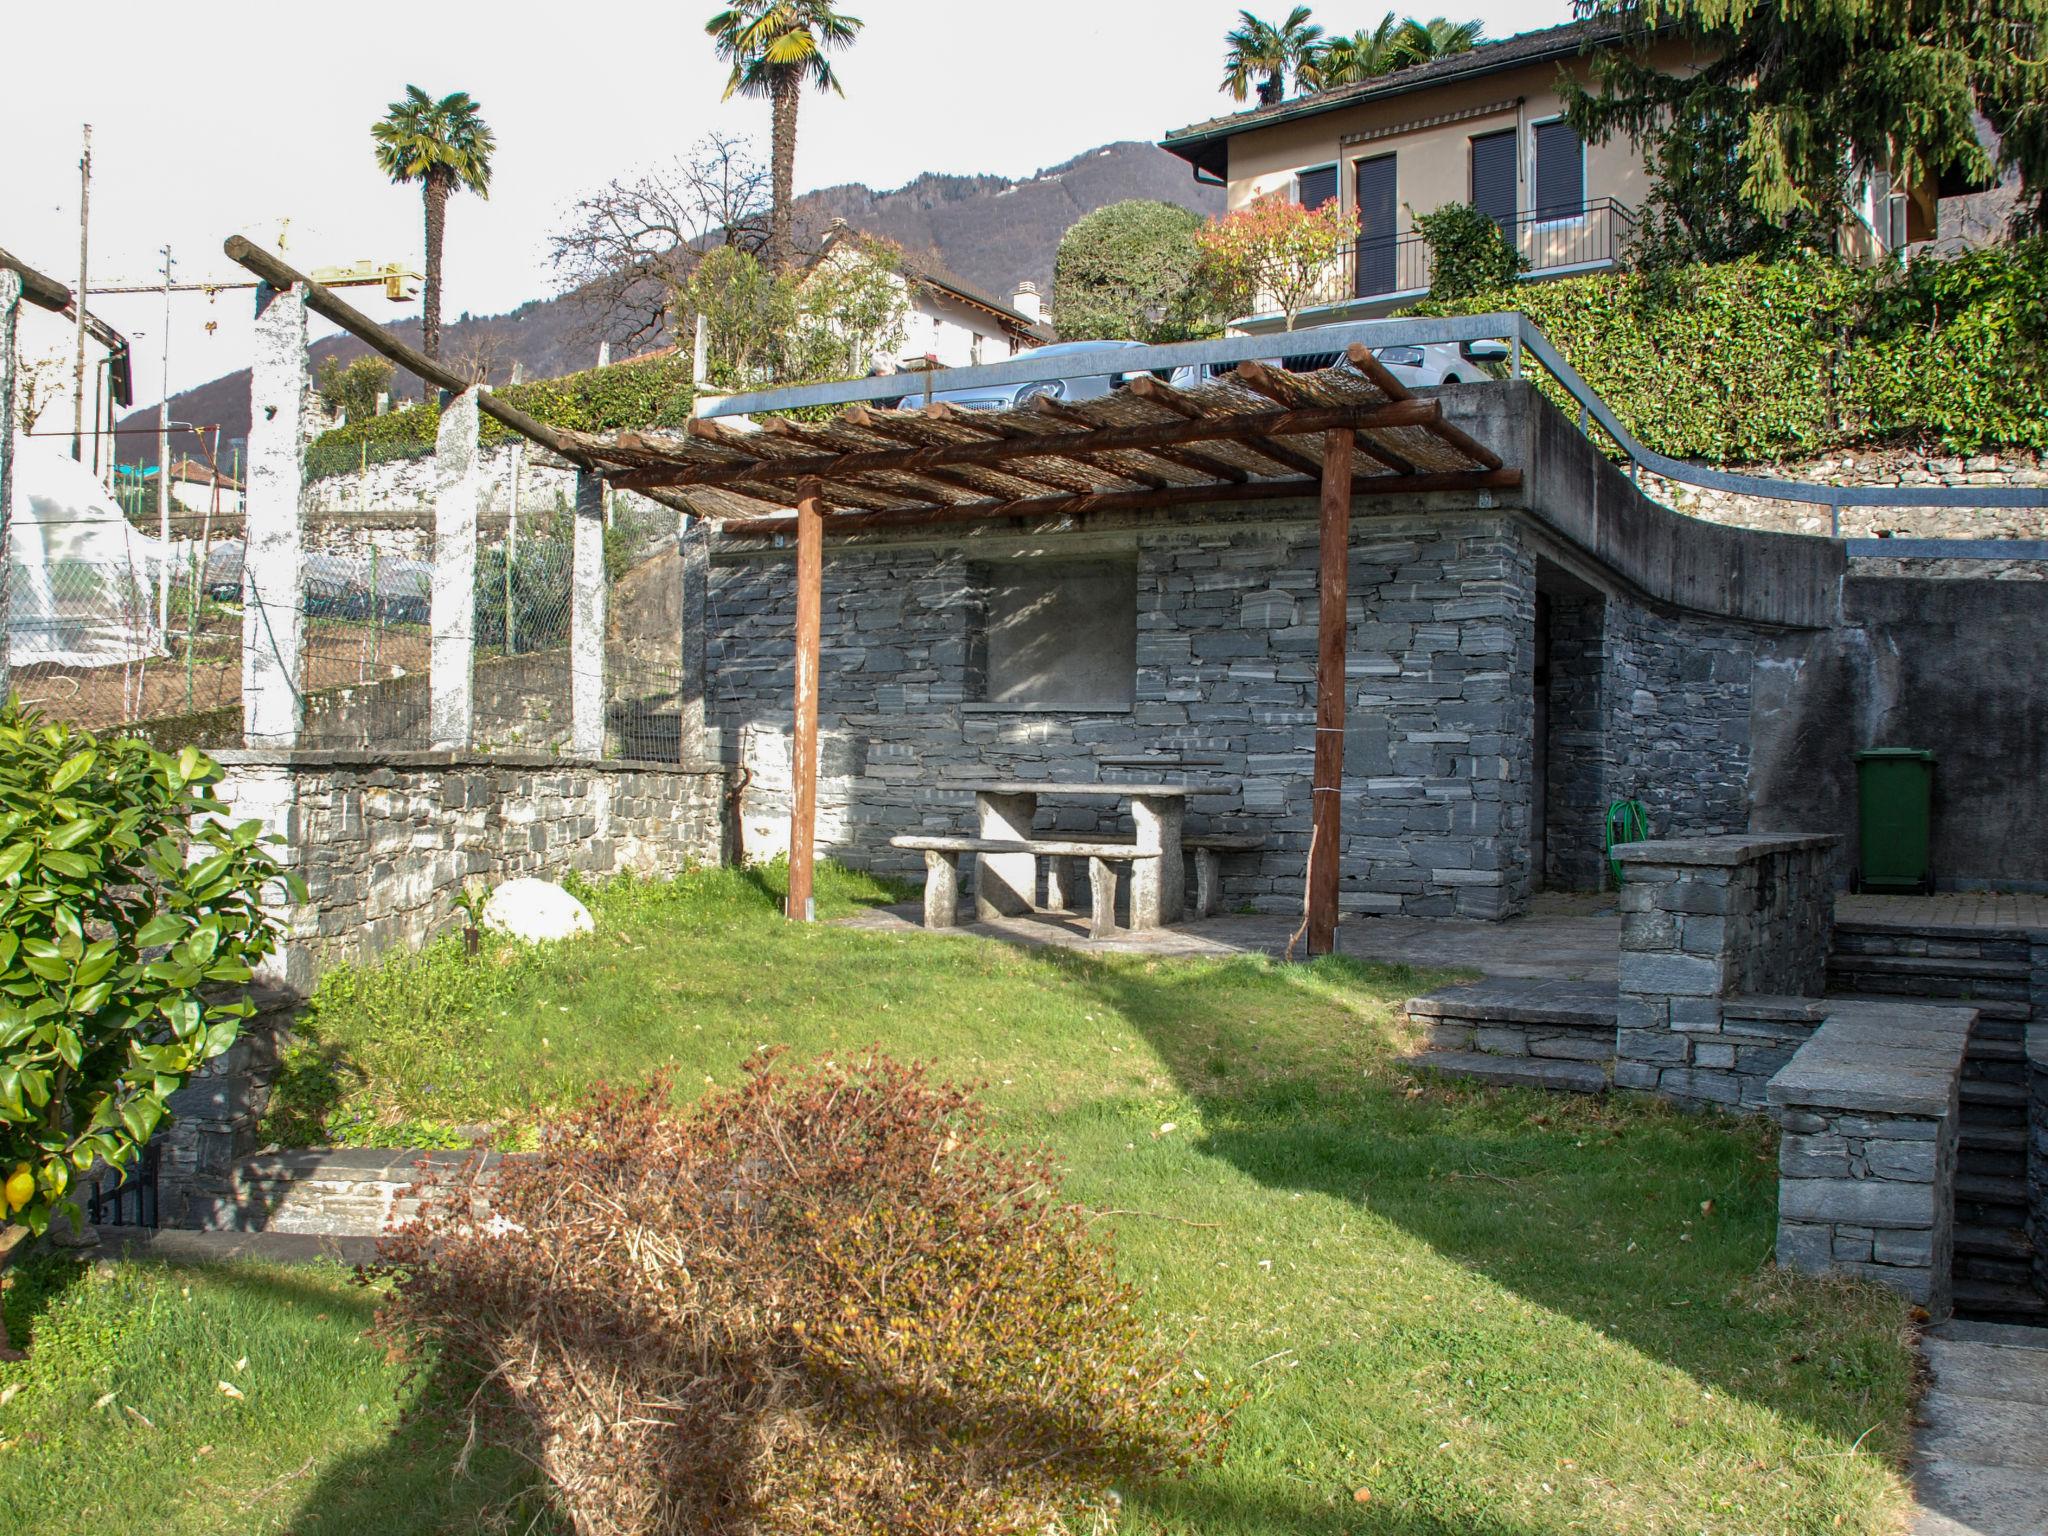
[338, 1192]
[1992, 970]
[1521, 1033]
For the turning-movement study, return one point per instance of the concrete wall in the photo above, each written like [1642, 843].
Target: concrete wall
[1955, 666]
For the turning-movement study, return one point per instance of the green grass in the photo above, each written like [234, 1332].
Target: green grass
[1495, 1313]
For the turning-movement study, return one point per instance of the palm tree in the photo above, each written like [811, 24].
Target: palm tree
[1420, 41]
[1361, 56]
[1260, 48]
[777, 47]
[445, 146]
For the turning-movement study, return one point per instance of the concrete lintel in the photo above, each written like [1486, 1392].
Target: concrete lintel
[1725, 852]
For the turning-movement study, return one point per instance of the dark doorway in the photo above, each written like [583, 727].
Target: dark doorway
[1378, 217]
[1571, 779]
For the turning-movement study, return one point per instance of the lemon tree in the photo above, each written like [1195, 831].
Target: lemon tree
[131, 914]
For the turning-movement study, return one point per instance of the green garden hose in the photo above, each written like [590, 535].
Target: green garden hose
[1626, 823]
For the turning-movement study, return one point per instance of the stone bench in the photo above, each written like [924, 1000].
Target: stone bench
[1206, 850]
[942, 872]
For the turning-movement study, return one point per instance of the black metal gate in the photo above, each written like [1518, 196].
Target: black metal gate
[127, 1201]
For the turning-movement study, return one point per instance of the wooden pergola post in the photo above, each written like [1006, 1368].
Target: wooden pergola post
[1326, 792]
[803, 753]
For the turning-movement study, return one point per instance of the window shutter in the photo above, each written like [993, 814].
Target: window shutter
[1493, 175]
[1318, 186]
[1560, 170]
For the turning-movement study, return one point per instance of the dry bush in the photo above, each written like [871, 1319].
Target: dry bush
[819, 1303]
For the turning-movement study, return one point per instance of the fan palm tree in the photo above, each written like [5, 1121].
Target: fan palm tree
[1259, 48]
[1418, 42]
[1361, 56]
[776, 48]
[445, 146]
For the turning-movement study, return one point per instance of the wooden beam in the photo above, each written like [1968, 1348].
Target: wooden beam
[1407, 413]
[1362, 359]
[776, 426]
[894, 426]
[1121, 501]
[1059, 410]
[1277, 385]
[1326, 788]
[1166, 395]
[803, 754]
[322, 301]
[43, 291]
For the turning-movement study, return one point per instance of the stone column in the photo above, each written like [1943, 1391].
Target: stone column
[693, 746]
[451, 669]
[587, 620]
[272, 710]
[10, 308]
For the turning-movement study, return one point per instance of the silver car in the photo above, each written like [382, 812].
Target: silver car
[1083, 384]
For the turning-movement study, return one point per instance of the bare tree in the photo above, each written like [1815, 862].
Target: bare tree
[38, 381]
[632, 243]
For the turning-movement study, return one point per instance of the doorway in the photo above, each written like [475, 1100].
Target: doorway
[1376, 268]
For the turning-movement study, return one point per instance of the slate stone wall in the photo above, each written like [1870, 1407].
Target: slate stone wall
[1678, 690]
[1438, 749]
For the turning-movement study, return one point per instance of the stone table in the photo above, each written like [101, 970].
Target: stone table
[1006, 884]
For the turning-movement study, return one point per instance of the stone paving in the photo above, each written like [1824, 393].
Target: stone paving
[2008, 910]
[1980, 1457]
[1564, 937]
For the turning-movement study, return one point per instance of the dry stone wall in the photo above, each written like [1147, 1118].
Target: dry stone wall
[1905, 467]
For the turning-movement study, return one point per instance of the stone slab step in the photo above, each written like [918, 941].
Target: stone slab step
[1978, 1266]
[1515, 1071]
[1994, 1138]
[1941, 967]
[333, 1191]
[2003, 1303]
[1995, 1242]
[1586, 1005]
[1999, 1095]
[171, 1245]
[1992, 1189]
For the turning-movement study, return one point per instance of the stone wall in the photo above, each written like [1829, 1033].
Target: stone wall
[1578, 750]
[1438, 750]
[2016, 468]
[1678, 715]
[1711, 928]
[386, 842]
[1868, 1116]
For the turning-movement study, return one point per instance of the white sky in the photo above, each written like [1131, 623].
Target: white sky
[223, 119]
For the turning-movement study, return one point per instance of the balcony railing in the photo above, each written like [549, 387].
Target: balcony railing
[1552, 240]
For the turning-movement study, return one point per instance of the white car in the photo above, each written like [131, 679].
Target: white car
[1439, 362]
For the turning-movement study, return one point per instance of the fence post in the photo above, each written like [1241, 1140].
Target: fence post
[273, 711]
[693, 543]
[10, 308]
[587, 620]
[451, 666]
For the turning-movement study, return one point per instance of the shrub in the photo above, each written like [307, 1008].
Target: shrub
[1468, 252]
[1133, 272]
[1756, 360]
[819, 1303]
[1276, 254]
[128, 907]
[352, 389]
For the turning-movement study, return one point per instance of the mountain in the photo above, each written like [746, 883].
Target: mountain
[991, 230]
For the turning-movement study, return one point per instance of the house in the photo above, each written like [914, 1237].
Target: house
[199, 487]
[1484, 127]
[952, 323]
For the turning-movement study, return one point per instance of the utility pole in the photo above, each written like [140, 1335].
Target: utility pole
[78, 361]
[163, 465]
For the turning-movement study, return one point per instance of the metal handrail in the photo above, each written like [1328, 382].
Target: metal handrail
[1523, 337]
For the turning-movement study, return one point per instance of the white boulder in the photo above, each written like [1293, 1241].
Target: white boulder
[536, 911]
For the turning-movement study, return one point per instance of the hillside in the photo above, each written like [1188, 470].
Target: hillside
[991, 230]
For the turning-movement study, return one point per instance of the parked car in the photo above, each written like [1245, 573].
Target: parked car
[1083, 384]
[1441, 362]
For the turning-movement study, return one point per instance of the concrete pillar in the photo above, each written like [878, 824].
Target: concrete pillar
[587, 620]
[272, 709]
[693, 745]
[452, 660]
[10, 309]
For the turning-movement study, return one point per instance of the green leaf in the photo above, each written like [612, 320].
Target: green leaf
[72, 771]
[161, 929]
[14, 859]
[75, 865]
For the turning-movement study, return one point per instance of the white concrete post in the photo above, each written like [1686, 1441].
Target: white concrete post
[693, 745]
[272, 709]
[451, 667]
[10, 308]
[587, 620]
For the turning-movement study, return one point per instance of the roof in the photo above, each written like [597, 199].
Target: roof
[195, 473]
[1202, 144]
[1256, 434]
[933, 275]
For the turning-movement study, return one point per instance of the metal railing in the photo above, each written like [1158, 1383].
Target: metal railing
[1574, 237]
[1525, 340]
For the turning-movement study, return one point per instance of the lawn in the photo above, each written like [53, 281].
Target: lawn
[1456, 1310]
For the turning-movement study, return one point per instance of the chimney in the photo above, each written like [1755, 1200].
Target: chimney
[1027, 302]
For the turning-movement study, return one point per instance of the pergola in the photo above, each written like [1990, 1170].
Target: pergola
[1256, 434]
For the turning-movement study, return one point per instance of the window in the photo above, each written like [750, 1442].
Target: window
[1560, 171]
[1054, 634]
[1316, 186]
[1493, 175]
[974, 348]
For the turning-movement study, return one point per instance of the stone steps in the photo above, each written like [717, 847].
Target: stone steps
[1994, 1105]
[335, 1191]
[1544, 1019]
[1556, 1075]
[177, 1245]
[2001, 1302]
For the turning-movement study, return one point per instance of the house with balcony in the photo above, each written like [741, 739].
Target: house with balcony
[1485, 127]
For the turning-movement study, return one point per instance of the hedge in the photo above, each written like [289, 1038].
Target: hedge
[655, 392]
[1757, 361]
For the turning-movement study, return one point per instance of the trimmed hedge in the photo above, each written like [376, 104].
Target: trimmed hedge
[655, 392]
[1757, 361]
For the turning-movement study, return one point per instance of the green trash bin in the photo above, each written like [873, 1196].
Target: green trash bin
[1895, 799]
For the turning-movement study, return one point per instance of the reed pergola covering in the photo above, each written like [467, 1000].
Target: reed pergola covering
[1254, 434]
